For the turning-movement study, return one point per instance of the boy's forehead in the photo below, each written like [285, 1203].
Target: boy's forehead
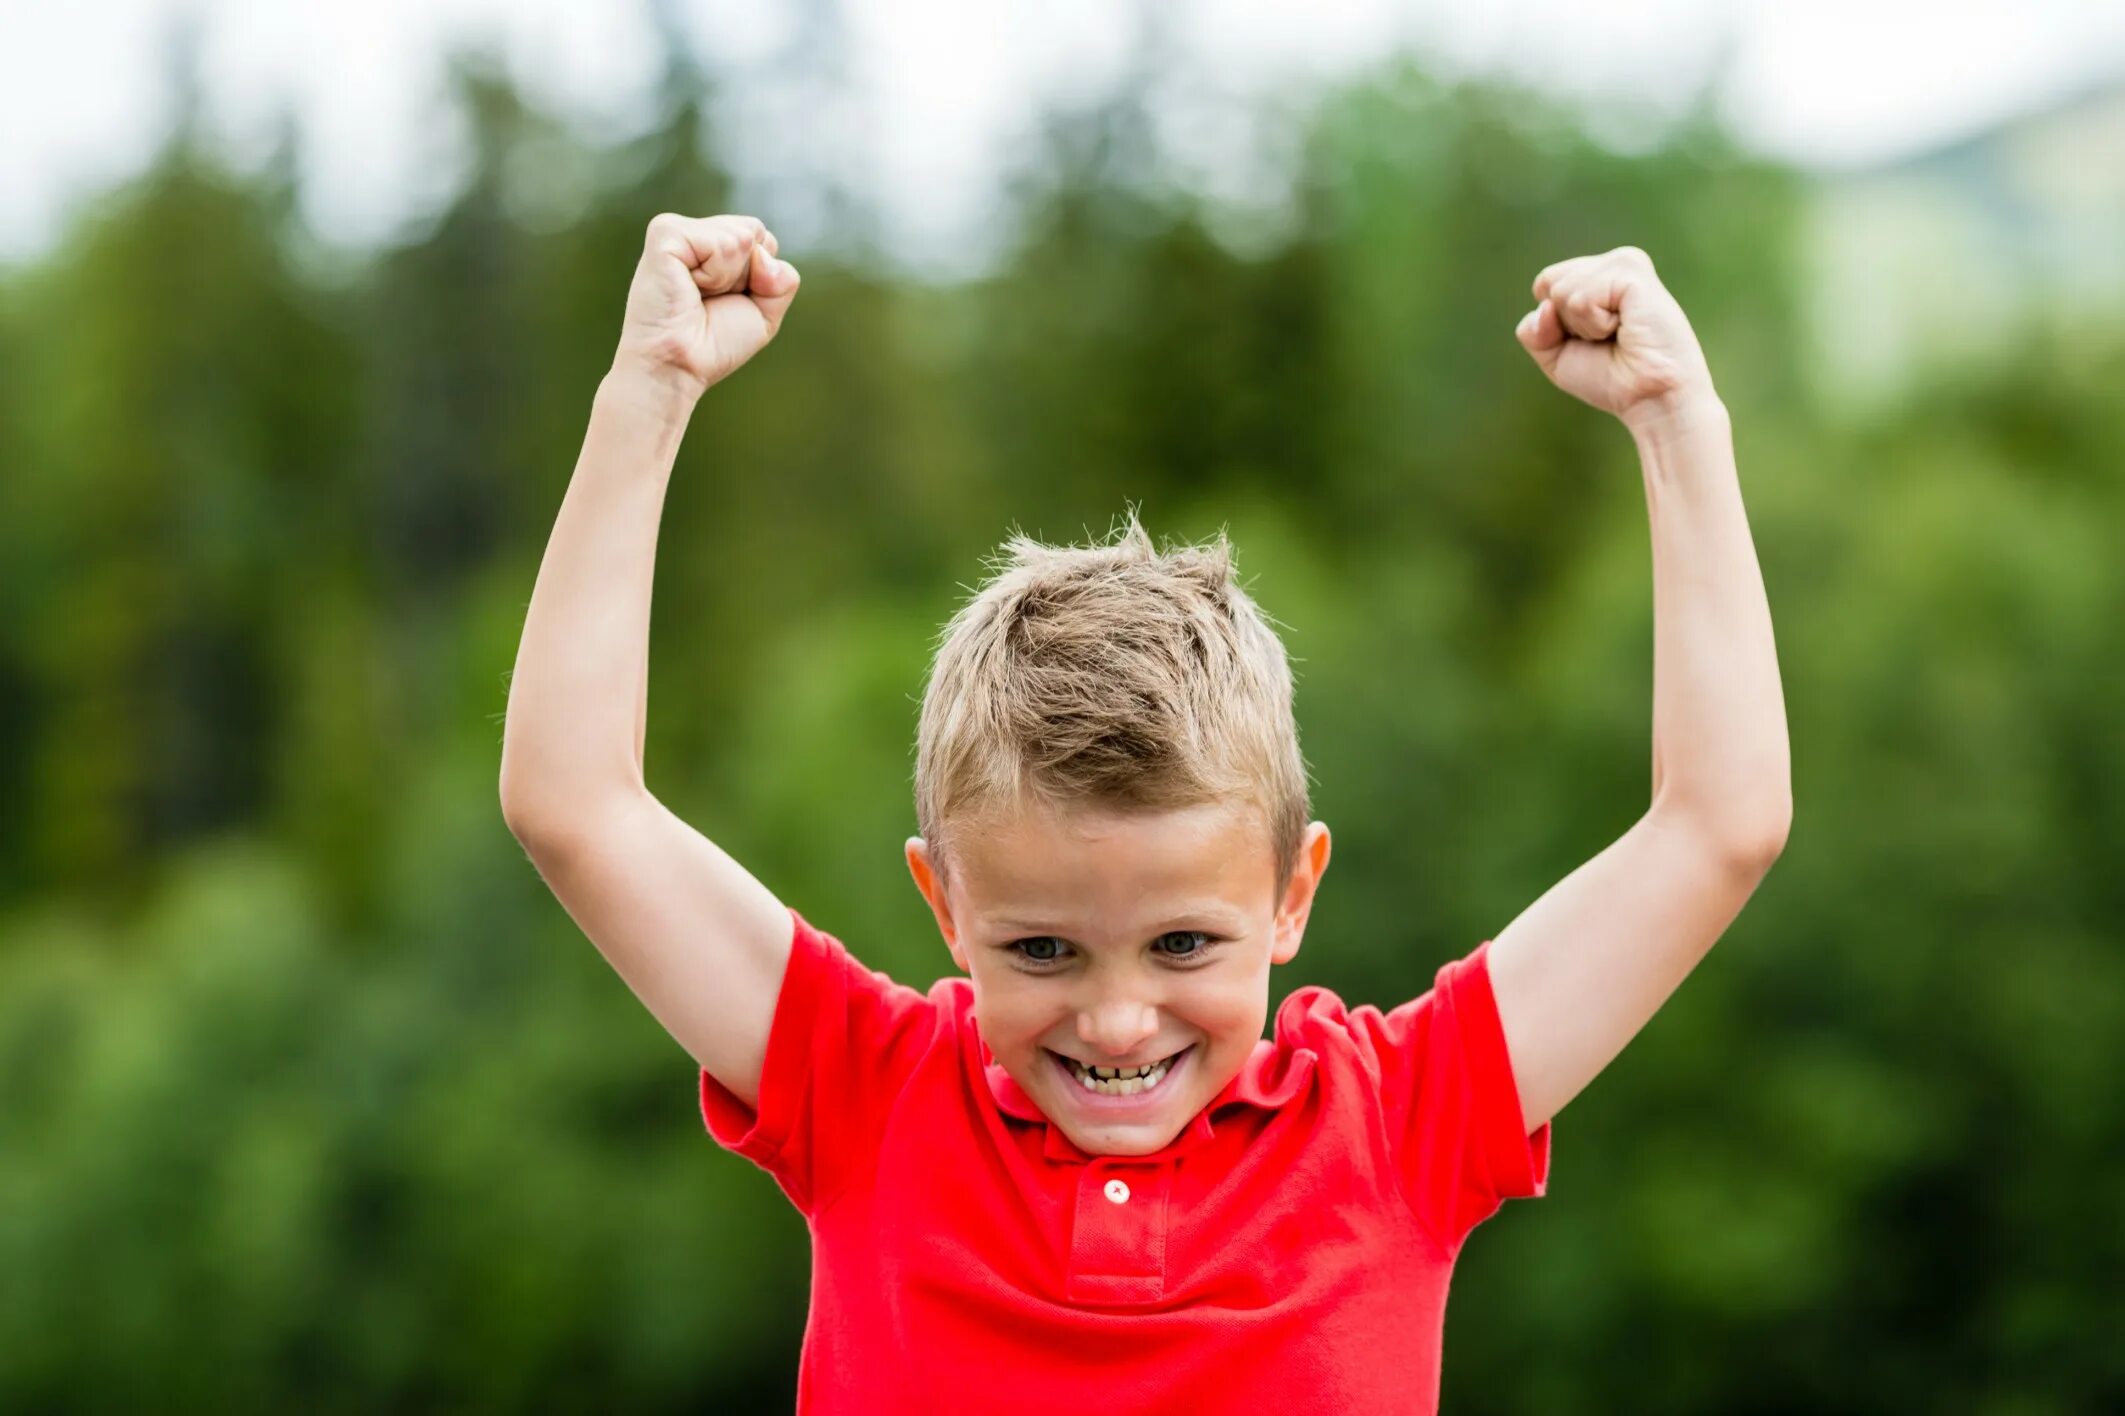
[1051, 865]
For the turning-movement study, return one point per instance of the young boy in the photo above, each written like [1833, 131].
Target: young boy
[1079, 1179]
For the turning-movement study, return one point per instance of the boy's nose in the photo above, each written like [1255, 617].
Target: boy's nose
[1118, 1027]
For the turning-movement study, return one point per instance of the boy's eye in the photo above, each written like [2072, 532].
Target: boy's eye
[1201, 941]
[1047, 949]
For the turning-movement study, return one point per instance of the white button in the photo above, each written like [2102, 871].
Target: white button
[1118, 1192]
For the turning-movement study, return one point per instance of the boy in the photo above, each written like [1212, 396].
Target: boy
[1080, 1179]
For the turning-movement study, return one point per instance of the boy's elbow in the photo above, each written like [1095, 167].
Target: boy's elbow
[1765, 840]
[1772, 844]
[558, 817]
[523, 816]
[1746, 840]
[511, 799]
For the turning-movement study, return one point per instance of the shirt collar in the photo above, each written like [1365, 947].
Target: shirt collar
[1267, 1080]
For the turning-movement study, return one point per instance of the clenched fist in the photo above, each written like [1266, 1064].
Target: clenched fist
[1607, 331]
[707, 294]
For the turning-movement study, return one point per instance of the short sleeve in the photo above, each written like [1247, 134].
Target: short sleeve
[843, 1041]
[1455, 1129]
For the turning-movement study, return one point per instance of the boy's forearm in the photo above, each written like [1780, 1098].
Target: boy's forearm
[1720, 751]
[578, 700]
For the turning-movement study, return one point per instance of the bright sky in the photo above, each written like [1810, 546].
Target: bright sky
[939, 91]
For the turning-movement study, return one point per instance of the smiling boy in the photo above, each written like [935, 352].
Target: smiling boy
[1080, 1177]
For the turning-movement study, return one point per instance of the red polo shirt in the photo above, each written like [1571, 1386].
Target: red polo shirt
[1289, 1250]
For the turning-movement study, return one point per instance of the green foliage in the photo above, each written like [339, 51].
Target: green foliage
[310, 1095]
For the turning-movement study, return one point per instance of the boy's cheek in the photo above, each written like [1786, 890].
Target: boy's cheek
[1020, 1019]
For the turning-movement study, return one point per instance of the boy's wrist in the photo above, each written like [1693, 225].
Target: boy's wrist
[1667, 421]
[659, 390]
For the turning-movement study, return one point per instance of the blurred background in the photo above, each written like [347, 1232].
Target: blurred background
[312, 1096]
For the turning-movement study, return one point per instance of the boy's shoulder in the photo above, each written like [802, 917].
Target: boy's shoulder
[1384, 1041]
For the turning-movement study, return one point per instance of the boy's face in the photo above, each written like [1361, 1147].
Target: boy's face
[1117, 940]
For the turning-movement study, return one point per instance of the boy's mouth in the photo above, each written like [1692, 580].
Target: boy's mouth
[1121, 1082]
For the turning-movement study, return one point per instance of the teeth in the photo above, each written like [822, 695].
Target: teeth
[1117, 1081]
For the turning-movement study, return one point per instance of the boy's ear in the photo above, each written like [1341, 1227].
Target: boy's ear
[1297, 903]
[925, 872]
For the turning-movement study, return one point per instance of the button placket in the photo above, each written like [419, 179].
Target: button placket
[1118, 1240]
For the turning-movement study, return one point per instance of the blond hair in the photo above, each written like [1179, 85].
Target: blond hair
[1113, 676]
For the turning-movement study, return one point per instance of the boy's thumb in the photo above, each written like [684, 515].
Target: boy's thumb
[1530, 327]
[774, 285]
[1535, 336]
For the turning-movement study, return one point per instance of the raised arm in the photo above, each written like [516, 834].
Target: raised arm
[1584, 967]
[699, 940]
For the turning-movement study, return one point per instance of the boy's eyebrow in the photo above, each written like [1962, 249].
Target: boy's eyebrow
[1219, 915]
